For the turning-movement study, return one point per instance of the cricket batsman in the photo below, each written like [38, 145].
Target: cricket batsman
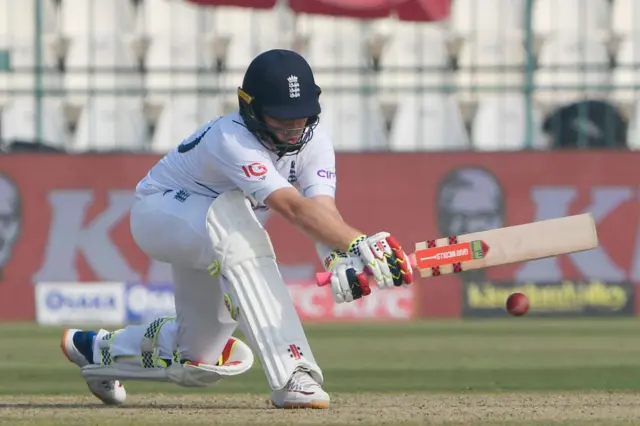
[201, 209]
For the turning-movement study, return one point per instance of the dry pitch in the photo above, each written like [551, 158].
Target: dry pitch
[366, 409]
[508, 372]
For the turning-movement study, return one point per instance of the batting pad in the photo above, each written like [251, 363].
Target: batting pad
[186, 375]
[267, 315]
[142, 352]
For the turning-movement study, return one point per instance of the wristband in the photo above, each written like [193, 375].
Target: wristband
[353, 247]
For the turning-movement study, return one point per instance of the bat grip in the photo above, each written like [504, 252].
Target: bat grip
[323, 278]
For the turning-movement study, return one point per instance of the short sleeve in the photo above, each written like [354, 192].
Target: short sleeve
[247, 166]
[317, 175]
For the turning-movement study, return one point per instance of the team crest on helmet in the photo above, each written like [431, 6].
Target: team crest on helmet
[294, 87]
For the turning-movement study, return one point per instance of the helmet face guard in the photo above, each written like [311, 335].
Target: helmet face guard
[282, 141]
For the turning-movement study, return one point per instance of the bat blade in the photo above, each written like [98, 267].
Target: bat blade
[519, 243]
[501, 246]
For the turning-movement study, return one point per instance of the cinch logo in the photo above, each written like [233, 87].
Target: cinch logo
[327, 174]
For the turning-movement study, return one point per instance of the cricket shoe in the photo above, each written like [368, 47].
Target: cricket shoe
[301, 391]
[110, 392]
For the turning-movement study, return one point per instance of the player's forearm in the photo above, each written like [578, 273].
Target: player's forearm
[322, 224]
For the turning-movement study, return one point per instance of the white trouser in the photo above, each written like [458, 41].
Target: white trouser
[174, 231]
[172, 228]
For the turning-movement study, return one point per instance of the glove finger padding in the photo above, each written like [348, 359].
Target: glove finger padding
[361, 248]
[363, 283]
[353, 283]
[384, 259]
[387, 277]
[392, 263]
[348, 280]
[381, 251]
[396, 271]
[402, 263]
[359, 278]
[340, 285]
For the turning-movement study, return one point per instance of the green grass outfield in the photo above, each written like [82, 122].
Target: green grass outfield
[520, 371]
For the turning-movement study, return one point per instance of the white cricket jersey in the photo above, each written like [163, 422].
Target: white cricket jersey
[223, 155]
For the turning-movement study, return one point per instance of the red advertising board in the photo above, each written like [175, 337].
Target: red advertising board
[70, 220]
[315, 304]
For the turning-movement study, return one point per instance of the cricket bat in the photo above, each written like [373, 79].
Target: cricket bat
[511, 244]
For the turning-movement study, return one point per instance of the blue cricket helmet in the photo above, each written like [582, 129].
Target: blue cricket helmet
[280, 84]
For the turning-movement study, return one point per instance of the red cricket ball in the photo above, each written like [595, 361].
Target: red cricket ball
[518, 304]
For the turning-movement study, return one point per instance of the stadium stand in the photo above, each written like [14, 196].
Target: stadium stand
[420, 75]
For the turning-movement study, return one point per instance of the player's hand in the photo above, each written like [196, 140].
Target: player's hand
[349, 282]
[383, 258]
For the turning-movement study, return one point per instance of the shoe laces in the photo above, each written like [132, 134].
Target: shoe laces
[301, 380]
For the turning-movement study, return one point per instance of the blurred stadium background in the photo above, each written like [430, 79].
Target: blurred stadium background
[464, 115]
[419, 75]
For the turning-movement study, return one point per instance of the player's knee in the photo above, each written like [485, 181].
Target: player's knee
[235, 232]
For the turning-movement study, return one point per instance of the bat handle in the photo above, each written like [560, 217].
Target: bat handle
[323, 278]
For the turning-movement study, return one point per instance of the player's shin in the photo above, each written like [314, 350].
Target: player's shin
[149, 352]
[266, 313]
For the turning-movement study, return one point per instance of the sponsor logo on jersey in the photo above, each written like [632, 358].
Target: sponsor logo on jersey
[254, 170]
[327, 174]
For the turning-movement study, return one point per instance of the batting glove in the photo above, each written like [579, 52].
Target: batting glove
[383, 258]
[349, 282]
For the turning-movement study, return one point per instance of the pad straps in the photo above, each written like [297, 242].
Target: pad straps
[149, 349]
[149, 346]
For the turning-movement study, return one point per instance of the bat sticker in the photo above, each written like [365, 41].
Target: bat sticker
[450, 254]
